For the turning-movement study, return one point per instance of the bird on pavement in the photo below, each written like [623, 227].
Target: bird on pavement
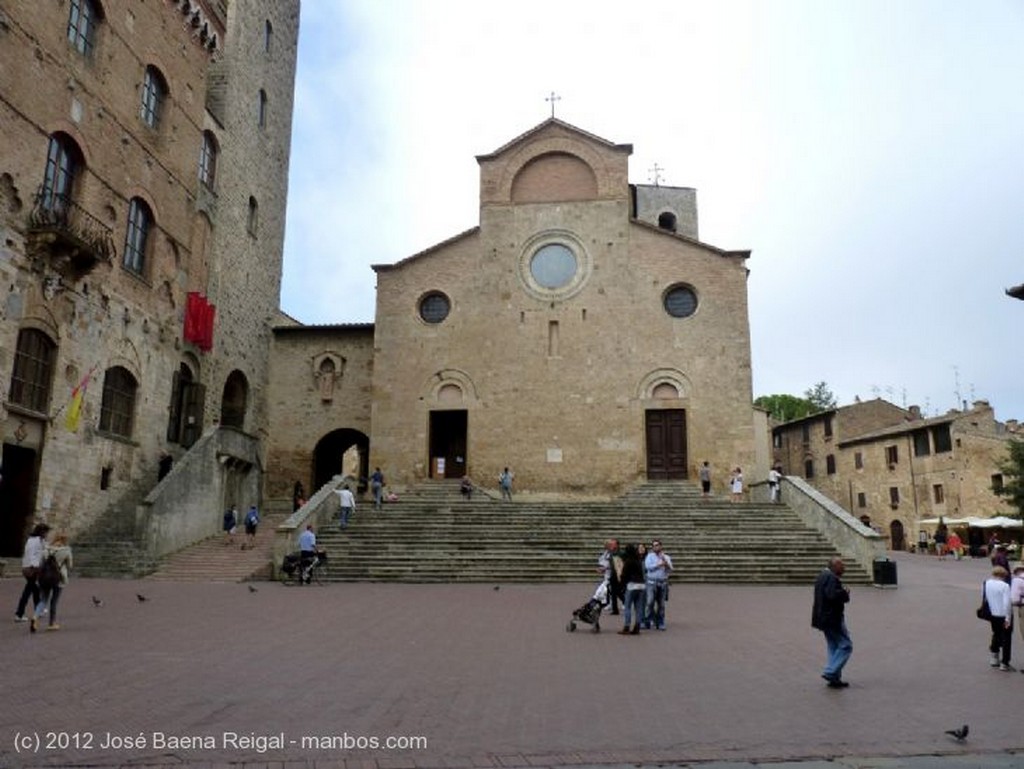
[959, 734]
[141, 597]
[97, 602]
[252, 589]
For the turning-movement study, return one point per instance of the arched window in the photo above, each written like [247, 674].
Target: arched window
[208, 159]
[140, 220]
[667, 221]
[118, 408]
[63, 165]
[154, 94]
[82, 20]
[262, 117]
[254, 216]
[234, 400]
[33, 370]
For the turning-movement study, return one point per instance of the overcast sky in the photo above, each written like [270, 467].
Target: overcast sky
[870, 155]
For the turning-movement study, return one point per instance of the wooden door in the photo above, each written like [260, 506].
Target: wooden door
[666, 444]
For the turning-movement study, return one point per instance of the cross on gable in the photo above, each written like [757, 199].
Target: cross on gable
[552, 98]
[655, 173]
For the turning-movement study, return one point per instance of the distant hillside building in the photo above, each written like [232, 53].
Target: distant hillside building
[893, 468]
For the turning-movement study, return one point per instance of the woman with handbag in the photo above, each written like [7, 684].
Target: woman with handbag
[997, 597]
[35, 549]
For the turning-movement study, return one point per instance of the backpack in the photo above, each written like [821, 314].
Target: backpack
[49, 573]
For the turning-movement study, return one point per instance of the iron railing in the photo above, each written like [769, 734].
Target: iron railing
[61, 215]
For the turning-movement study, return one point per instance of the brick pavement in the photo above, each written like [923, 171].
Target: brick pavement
[492, 679]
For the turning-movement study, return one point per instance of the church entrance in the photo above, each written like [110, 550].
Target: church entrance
[448, 443]
[329, 458]
[666, 444]
[17, 496]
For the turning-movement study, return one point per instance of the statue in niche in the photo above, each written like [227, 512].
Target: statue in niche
[326, 373]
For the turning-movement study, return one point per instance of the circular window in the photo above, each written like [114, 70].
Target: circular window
[553, 266]
[434, 307]
[680, 302]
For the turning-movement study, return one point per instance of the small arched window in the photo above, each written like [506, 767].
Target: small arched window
[252, 223]
[154, 94]
[63, 165]
[82, 20]
[140, 221]
[667, 221]
[268, 35]
[262, 117]
[33, 370]
[208, 159]
[117, 413]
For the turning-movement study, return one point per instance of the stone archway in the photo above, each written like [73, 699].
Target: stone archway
[330, 452]
[234, 401]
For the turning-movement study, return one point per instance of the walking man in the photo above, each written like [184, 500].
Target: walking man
[377, 487]
[705, 479]
[348, 504]
[774, 478]
[828, 616]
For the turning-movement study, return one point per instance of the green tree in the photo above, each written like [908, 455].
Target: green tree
[1013, 476]
[785, 408]
[821, 397]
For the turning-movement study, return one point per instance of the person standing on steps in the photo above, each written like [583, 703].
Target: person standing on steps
[736, 485]
[705, 479]
[774, 481]
[252, 520]
[377, 487]
[505, 483]
[829, 616]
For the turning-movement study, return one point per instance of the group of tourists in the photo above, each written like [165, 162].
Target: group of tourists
[638, 578]
[46, 567]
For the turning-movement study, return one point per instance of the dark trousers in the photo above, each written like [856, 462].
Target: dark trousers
[1002, 638]
[31, 590]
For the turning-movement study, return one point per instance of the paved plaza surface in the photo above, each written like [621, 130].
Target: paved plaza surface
[209, 675]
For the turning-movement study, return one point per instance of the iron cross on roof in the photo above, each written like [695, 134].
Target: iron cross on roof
[656, 174]
[552, 98]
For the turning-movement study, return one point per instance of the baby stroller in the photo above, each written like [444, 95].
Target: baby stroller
[590, 612]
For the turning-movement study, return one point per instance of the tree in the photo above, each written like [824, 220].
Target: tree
[821, 397]
[785, 408]
[1013, 476]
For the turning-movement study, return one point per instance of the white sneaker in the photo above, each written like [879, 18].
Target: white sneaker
[20, 619]
[1007, 668]
[994, 662]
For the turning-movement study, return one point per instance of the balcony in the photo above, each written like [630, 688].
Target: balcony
[66, 236]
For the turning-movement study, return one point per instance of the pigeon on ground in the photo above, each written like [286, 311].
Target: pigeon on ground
[497, 587]
[252, 589]
[959, 734]
[97, 602]
[141, 597]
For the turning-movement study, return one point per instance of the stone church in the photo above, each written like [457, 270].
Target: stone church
[581, 334]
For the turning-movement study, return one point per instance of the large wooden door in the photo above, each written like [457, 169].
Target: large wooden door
[666, 444]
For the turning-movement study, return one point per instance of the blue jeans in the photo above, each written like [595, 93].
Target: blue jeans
[633, 606]
[345, 513]
[655, 604]
[840, 647]
[378, 494]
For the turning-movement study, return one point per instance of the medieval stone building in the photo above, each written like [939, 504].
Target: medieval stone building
[581, 334]
[142, 200]
[893, 468]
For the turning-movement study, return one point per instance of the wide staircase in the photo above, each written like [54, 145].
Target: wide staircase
[434, 535]
[218, 560]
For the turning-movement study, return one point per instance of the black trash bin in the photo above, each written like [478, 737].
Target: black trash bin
[884, 572]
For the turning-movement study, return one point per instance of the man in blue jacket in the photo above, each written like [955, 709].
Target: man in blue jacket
[828, 616]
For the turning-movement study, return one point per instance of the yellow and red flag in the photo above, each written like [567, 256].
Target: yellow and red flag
[74, 415]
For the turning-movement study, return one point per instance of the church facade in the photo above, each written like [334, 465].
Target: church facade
[581, 334]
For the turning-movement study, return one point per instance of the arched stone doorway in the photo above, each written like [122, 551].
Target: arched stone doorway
[897, 540]
[329, 457]
[235, 400]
